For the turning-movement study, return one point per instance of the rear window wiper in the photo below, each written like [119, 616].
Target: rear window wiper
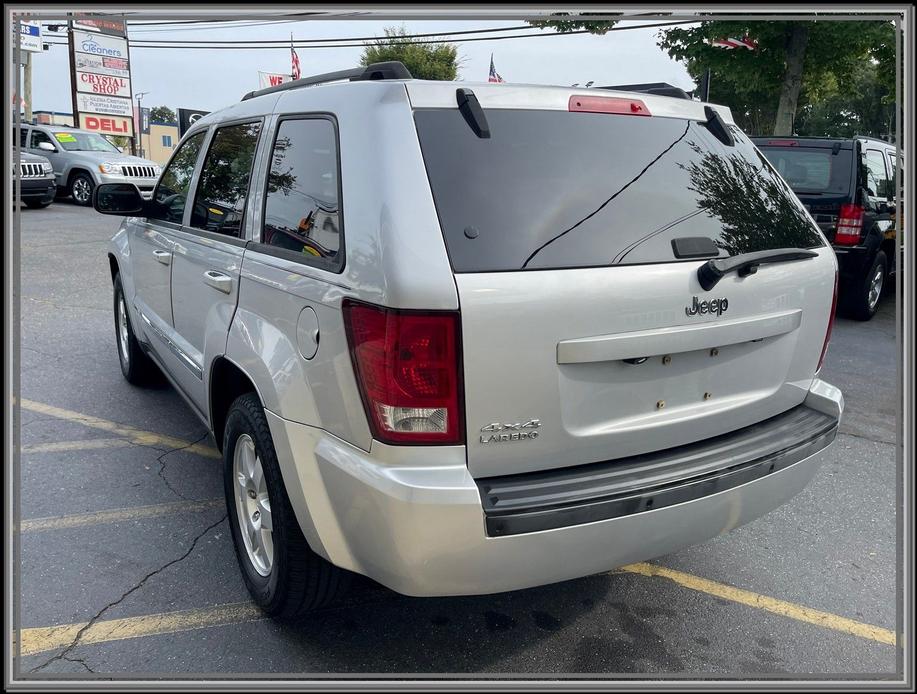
[746, 264]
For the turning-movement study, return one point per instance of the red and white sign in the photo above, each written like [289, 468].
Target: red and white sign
[103, 84]
[109, 105]
[107, 125]
[106, 26]
[100, 65]
[271, 79]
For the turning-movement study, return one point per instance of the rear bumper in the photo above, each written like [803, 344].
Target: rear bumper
[853, 262]
[420, 527]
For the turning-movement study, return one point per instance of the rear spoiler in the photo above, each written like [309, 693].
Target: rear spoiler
[658, 88]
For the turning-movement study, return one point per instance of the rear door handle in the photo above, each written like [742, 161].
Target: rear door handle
[218, 281]
[164, 257]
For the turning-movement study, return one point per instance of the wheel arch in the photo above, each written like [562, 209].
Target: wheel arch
[227, 381]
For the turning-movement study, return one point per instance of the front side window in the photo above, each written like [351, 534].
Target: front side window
[39, 136]
[23, 133]
[876, 174]
[83, 142]
[302, 208]
[219, 205]
[175, 182]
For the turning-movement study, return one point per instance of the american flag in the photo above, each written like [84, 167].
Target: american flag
[295, 58]
[493, 77]
[743, 42]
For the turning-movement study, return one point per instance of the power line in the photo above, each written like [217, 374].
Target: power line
[346, 38]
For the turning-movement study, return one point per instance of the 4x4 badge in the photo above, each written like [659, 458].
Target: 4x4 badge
[502, 433]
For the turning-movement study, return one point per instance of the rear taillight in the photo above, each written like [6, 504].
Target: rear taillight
[824, 349]
[608, 104]
[849, 225]
[408, 367]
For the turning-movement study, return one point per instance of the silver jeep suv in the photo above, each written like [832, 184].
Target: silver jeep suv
[467, 338]
[83, 159]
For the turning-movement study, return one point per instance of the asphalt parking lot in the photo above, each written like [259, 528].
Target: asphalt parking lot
[127, 565]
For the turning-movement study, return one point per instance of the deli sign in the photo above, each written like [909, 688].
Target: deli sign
[103, 84]
[107, 125]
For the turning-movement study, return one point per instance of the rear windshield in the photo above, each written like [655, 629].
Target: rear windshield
[812, 169]
[553, 189]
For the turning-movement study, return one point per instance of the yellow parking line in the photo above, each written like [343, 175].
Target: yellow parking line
[87, 445]
[138, 436]
[41, 639]
[117, 515]
[763, 602]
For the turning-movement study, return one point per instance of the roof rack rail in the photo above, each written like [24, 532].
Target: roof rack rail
[391, 70]
[659, 88]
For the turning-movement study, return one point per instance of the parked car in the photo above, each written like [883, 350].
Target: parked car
[83, 159]
[848, 185]
[36, 180]
[547, 332]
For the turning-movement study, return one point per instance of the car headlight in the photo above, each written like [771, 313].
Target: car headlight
[46, 167]
[157, 169]
[109, 168]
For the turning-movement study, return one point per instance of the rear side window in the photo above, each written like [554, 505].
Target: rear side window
[812, 169]
[175, 183]
[877, 180]
[222, 191]
[302, 207]
[553, 189]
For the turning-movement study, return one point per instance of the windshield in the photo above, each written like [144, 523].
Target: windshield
[812, 169]
[554, 189]
[84, 142]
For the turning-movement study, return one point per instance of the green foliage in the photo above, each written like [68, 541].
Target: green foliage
[163, 114]
[864, 106]
[426, 61]
[749, 82]
[566, 25]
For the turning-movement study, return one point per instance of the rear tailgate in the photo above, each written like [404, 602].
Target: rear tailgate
[584, 337]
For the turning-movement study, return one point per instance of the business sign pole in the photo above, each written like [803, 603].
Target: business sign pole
[100, 76]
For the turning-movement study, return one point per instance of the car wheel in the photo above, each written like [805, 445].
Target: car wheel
[863, 300]
[136, 366]
[36, 204]
[285, 577]
[81, 186]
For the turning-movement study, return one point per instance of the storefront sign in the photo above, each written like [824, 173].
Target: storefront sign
[107, 125]
[104, 26]
[101, 65]
[271, 79]
[99, 44]
[109, 105]
[187, 117]
[103, 84]
[29, 35]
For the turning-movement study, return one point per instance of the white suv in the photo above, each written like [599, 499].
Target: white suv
[467, 338]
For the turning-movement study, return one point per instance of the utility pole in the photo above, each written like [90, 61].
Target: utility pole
[138, 126]
[27, 84]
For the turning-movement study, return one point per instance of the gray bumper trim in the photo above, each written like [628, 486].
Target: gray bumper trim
[531, 502]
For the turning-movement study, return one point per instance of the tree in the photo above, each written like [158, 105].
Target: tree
[862, 107]
[163, 114]
[564, 26]
[426, 61]
[795, 63]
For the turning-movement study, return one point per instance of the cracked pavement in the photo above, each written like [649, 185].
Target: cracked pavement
[832, 548]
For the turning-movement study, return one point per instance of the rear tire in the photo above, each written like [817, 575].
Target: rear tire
[137, 367]
[862, 299]
[285, 577]
[81, 187]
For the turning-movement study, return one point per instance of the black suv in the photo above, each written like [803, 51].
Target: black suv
[848, 186]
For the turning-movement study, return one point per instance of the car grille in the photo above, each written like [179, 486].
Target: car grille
[30, 170]
[139, 171]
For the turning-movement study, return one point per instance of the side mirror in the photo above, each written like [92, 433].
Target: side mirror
[47, 147]
[121, 199]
